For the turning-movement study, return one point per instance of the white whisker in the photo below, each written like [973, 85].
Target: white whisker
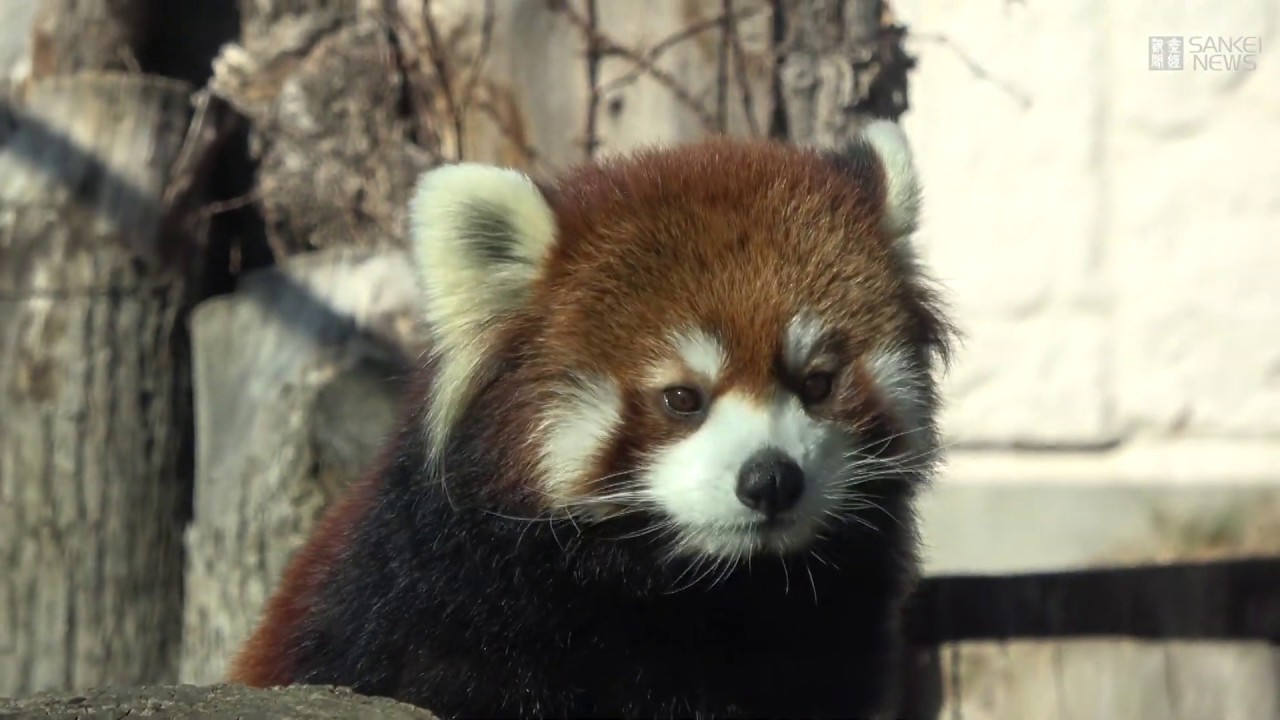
[812, 583]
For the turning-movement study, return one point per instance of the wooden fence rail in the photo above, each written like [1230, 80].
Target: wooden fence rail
[1180, 641]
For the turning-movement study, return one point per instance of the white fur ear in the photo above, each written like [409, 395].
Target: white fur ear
[902, 185]
[479, 236]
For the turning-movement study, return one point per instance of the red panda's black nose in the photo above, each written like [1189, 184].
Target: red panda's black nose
[770, 482]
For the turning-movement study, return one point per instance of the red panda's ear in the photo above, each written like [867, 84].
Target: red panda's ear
[880, 154]
[479, 235]
[880, 157]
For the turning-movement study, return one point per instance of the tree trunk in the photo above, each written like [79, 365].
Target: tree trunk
[94, 406]
[296, 385]
[70, 36]
[219, 702]
[334, 146]
[840, 63]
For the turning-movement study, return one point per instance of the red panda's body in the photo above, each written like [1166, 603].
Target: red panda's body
[665, 459]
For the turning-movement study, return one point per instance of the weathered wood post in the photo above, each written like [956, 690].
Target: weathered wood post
[296, 371]
[840, 62]
[95, 177]
[297, 383]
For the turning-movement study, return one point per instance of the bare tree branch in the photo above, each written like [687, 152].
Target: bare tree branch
[603, 45]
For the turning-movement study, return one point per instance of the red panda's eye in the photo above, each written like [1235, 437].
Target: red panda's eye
[816, 387]
[682, 400]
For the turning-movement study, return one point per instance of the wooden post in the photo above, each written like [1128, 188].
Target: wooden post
[296, 387]
[94, 406]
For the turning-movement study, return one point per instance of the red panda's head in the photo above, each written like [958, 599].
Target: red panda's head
[730, 337]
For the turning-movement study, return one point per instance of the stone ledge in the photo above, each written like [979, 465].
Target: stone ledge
[1155, 461]
[212, 702]
[1010, 512]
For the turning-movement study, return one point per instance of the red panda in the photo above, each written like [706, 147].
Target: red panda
[663, 460]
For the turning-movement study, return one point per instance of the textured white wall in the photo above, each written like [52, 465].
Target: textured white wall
[1109, 235]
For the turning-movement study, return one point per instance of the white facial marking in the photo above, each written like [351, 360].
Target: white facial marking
[695, 480]
[802, 336]
[576, 426]
[691, 351]
[903, 387]
[701, 353]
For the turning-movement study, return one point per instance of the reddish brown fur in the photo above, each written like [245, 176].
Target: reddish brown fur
[785, 232]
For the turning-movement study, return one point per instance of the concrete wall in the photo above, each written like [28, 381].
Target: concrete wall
[1109, 235]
